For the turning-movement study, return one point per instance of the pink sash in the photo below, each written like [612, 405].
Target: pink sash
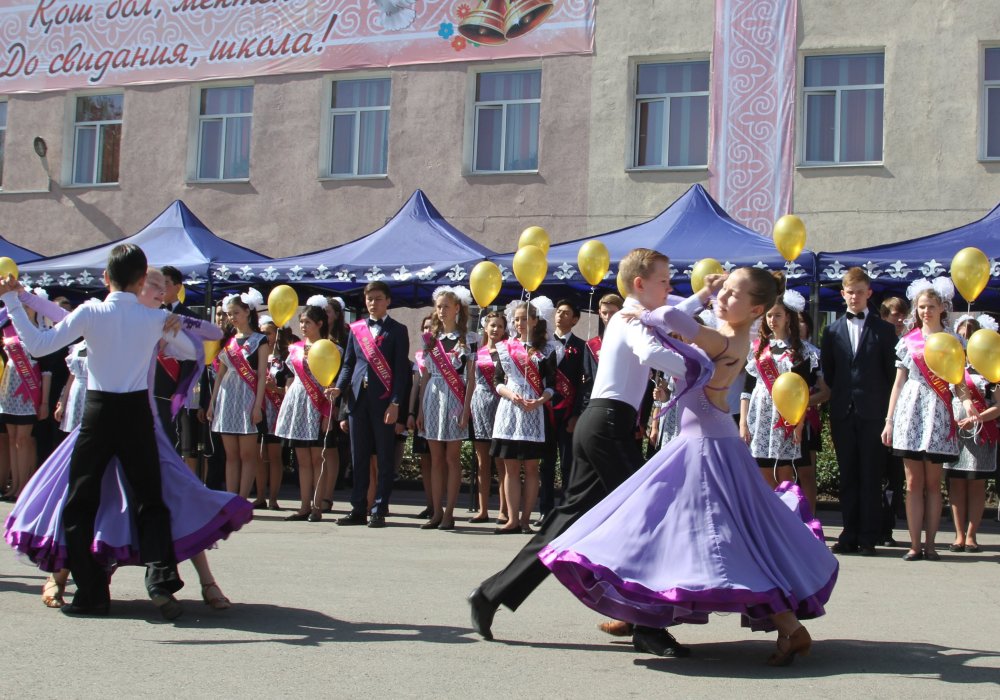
[31, 376]
[484, 363]
[991, 433]
[420, 358]
[297, 354]
[768, 371]
[376, 360]
[566, 389]
[519, 354]
[915, 344]
[249, 376]
[594, 345]
[440, 359]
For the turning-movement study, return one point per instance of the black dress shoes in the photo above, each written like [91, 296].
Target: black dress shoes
[482, 614]
[165, 602]
[658, 642]
[867, 551]
[74, 610]
[353, 518]
[843, 548]
[377, 520]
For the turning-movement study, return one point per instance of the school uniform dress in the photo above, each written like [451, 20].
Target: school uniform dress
[441, 408]
[520, 434]
[922, 421]
[234, 400]
[669, 423]
[16, 406]
[76, 361]
[484, 404]
[977, 458]
[299, 420]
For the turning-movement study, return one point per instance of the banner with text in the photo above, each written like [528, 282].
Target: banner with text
[70, 44]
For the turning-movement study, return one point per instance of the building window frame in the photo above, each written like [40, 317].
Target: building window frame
[329, 114]
[5, 106]
[984, 112]
[635, 99]
[196, 134]
[475, 107]
[75, 129]
[837, 91]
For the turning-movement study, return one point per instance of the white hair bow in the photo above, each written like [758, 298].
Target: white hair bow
[463, 294]
[794, 301]
[317, 300]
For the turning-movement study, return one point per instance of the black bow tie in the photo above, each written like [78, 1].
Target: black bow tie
[374, 322]
[860, 315]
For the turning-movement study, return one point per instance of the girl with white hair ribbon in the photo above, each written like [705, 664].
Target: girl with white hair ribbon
[776, 445]
[236, 408]
[485, 400]
[525, 381]
[446, 392]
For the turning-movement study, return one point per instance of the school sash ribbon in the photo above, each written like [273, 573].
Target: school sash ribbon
[519, 355]
[990, 433]
[439, 357]
[767, 369]
[594, 345]
[247, 373]
[420, 358]
[565, 389]
[915, 344]
[484, 363]
[31, 376]
[376, 360]
[169, 365]
[297, 354]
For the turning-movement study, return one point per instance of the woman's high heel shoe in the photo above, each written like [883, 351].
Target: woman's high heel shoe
[213, 597]
[798, 642]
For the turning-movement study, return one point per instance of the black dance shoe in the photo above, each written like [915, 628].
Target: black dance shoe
[377, 520]
[165, 602]
[482, 614]
[74, 610]
[658, 642]
[353, 518]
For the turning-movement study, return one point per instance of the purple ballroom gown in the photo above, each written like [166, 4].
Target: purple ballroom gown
[199, 516]
[696, 530]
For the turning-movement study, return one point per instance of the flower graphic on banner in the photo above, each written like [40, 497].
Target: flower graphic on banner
[835, 271]
[425, 274]
[25, 280]
[322, 272]
[456, 273]
[898, 270]
[345, 276]
[793, 269]
[728, 266]
[565, 271]
[931, 268]
[269, 274]
[45, 280]
[374, 274]
[85, 277]
[872, 269]
[245, 273]
[296, 273]
[193, 278]
[994, 268]
[463, 11]
[65, 279]
[459, 43]
[222, 273]
[446, 30]
[401, 274]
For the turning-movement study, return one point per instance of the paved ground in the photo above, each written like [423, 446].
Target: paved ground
[323, 611]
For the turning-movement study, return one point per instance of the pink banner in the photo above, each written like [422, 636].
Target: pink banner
[753, 110]
[69, 44]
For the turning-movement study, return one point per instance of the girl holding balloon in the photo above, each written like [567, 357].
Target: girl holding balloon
[271, 468]
[236, 407]
[306, 412]
[920, 426]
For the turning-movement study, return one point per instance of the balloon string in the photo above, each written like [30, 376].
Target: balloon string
[590, 313]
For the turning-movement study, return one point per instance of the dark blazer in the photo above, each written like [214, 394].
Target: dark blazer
[163, 385]
[395, 346]
[863, 380]
[572, 367]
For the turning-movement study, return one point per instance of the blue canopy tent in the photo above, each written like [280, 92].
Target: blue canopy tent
[176, 237]
[16, 252]
[894, 266]
[414, 252]
[692, 228]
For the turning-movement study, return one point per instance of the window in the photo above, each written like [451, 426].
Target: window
[991, 104]
[843, 109]
[671, 115]
[506, 127]
[97, 139]
[3, 135]
[224, 116]
[359, 127]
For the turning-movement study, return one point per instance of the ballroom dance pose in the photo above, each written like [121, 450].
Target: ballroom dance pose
[696, 530]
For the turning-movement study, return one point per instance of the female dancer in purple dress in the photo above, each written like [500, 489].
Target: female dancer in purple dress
[696, 530]
[199, 517]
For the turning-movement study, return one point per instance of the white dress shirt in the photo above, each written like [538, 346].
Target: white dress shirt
[629, 350]
[854, 328]
[121, 336]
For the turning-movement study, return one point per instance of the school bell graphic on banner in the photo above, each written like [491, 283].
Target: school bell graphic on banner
[496, 21]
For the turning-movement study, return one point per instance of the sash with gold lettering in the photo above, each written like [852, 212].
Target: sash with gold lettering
[484, 363]
[439, 356]
[31, 377]
[565, 389]
[247, 373]
[519, 354]
[915, 344]
[594, 345]
[376, 360]
[297, 354]
[768, 371]
[990, 433]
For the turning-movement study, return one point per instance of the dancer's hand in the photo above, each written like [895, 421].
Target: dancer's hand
[58, 413]
[797, 433]
[345, 426]
[10, 284]
[172, 325]
[411, 424]
[391, 414]
[713, 283]
[633, 313]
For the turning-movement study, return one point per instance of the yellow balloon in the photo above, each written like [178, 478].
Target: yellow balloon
[791, 397]
[282, 303]
[593, 261]
[536, 236]
[621, 285]
[485, 281]
[703, 268]
[789, 236]
[324, 361]
[8, 267]
[181, 294]
[970, 271]
[944, 357]
[530, 267]
[984, 353]
[212, 348]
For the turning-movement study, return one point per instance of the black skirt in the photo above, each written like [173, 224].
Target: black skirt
[516, 449]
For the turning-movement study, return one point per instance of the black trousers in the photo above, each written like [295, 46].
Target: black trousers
[892, 494]
[558, 447]
[862, 459]
[604, 455]
[117, 425]
[370, 435]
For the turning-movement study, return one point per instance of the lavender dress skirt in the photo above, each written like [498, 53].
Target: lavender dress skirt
[695, 531]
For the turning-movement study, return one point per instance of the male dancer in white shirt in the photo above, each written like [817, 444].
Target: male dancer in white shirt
[605, 452]
[121, 336]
